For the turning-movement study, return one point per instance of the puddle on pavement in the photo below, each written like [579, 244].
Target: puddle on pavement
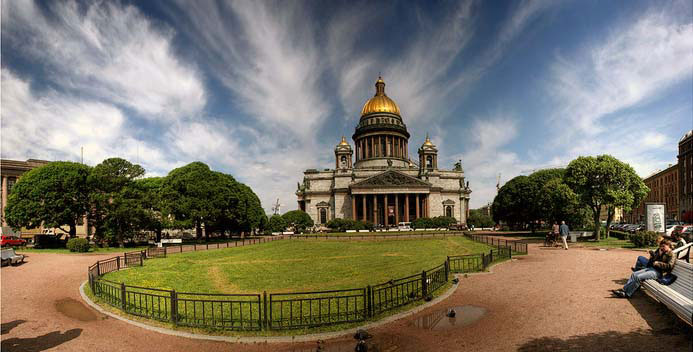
[438, 320]
[374, 344]
[74, 309]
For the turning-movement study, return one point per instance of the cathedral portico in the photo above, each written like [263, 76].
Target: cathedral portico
[377, 181]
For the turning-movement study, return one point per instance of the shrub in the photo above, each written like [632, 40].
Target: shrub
[276, 223]
[644, 238]
[80, 245]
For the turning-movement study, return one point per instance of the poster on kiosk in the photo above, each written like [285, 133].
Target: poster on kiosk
[655, 217]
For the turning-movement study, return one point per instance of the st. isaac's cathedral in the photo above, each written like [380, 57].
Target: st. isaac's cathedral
[377, 181]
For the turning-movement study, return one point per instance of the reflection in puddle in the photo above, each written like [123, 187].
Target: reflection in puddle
[439, 320]
[74, 309]
[375, 344]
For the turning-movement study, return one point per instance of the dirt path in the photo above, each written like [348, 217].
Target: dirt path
[550, 300]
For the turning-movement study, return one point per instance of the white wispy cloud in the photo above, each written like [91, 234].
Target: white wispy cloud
[54, 126]
[106, 51]
[637, 62]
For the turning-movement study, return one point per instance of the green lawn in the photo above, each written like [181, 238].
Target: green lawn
[290, 266]
[114, 250]
[611, 242]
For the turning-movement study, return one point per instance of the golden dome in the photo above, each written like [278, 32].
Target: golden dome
[380, 101]
[343, 142]
[428, 142]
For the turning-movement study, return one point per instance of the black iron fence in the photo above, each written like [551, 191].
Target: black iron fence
[517, 246]
[275, 311]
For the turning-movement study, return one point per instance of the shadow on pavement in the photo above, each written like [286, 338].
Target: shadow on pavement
[39, 343]
[638, 340]
[6, 327]
[660, 319]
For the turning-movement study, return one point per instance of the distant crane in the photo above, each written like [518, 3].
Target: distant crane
[498, 183]
[276, 208]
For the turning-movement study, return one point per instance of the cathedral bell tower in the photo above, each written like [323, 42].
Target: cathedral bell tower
[342, 154]
[428, 157]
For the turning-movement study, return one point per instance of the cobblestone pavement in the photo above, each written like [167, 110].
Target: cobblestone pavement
[549, 300]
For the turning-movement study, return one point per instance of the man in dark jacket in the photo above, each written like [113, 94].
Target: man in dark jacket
[661, 263]
[564, 231]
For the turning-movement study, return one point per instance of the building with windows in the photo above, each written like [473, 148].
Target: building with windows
[664, 188]
[376, 180]
[685, 176]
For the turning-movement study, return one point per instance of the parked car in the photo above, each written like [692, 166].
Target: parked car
[688, 234]
[681, 229]
[11, 241]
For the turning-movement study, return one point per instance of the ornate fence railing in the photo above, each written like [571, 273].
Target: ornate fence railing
[275, 311]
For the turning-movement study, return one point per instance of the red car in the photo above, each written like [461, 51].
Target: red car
[11, 241]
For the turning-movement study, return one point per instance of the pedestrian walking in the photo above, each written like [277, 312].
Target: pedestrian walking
[554, 233]
[564, 230]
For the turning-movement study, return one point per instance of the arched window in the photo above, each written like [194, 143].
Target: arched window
[429, 162]
[448, 211]
[323, 215]
[343, 161]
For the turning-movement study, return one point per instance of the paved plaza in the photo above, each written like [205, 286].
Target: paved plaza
[548, 300]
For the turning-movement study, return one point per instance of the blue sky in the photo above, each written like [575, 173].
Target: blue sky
[264, 90]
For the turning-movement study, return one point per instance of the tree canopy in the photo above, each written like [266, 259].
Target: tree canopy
[298, 219]
[55, 195]
[604, 182]
[478, 218]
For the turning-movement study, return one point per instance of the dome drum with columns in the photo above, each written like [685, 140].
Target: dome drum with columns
[377, 181]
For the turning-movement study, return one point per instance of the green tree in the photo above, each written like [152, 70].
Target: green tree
[276, 223]
[514, 202]
[298, 219]
[602, 182]
[151, 202]
[557, 202]
[478, 218]
[55, 195]
[117, 210]
[195, 195]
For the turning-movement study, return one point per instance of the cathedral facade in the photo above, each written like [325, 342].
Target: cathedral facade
[377, 181]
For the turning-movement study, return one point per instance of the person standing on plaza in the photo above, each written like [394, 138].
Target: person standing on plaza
[564, 231]
[555, 232]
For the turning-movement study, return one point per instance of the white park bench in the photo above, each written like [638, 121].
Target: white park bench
[10, 257]
[678, 296]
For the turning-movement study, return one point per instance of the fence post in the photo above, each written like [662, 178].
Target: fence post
[118, 262]
[490, 253]
[424, 284]
[141, 259]
[174, 307]
[98, 268]
[368, 301]
[447, 268]
[264, 309]
[123, 297]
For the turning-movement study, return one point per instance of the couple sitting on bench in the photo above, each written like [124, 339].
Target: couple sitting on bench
[657, 267]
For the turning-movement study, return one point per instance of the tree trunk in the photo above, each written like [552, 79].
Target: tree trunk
[158, 235]
[73, 229]
[609, 218]
[198, 230]
[206, 233]
[597, 224]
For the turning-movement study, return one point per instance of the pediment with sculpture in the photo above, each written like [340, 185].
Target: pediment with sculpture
[391, 178]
